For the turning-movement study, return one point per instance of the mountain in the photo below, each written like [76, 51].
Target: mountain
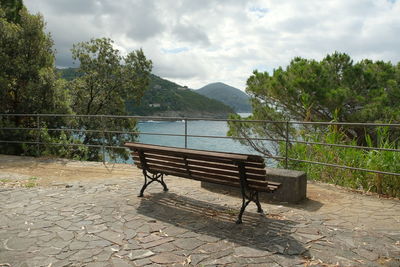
[228, 95]
[165, 98]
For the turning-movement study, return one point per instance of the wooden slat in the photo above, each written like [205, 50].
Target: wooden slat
[274, 183]
[265, 187]
[180, 151]
[206, 165]
[153, 156]
[191, 167]
[217, 175]
[204, 159]
[261, 187]
[225, 166]
[252, 167]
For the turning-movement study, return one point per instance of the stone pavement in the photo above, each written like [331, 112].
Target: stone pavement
[66, 218]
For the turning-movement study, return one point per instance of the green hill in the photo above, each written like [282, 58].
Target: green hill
[165, 98]
[228, 95]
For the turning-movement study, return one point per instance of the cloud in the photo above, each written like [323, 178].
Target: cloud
[191, 34]
[196, 42]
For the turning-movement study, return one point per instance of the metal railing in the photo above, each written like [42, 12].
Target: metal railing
[185, 135]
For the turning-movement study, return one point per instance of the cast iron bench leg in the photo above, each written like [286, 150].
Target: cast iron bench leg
[246, 199]
[158, 177]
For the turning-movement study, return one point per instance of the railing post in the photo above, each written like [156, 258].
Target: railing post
[287, 144]
[103, 137]
[38, 136]
[185, 133]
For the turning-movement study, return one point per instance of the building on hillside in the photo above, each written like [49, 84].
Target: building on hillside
[155, 105]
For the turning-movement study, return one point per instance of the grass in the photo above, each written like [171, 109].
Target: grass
[379, 160]
[31, 182]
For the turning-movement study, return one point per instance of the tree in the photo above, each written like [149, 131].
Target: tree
[105, 80]
[333, 89]
[27, 78]
[12, 9]
[28, 82]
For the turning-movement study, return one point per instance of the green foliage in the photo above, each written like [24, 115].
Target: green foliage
[105, 80]
[27, 79]
[11, 8]
[367, 159]
[56, 144]
[333, 89]
[28, 83]
[69, 74]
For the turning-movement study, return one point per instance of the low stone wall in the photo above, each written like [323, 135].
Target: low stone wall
[293, 187]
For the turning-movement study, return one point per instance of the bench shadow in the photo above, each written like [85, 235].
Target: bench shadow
[270, 233]
[306, 204]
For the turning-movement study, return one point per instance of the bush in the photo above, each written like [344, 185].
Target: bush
[388, 161]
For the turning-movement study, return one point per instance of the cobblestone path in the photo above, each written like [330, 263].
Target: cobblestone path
[102, 222]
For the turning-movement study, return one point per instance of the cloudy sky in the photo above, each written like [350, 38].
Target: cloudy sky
[196, 42]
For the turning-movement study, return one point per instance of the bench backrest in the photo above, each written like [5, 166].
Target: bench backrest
[202, 165]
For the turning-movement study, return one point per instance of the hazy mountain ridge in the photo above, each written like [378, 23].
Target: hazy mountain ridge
[231, 96]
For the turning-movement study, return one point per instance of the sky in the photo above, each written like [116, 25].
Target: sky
[196, 42]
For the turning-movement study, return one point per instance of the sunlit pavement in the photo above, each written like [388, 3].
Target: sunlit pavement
[70, 213]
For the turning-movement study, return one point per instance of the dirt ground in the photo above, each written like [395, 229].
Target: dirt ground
[17, 171]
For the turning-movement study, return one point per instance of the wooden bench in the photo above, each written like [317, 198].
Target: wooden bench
[246, 172]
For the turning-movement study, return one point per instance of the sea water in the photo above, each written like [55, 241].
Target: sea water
[202, 127]
[161, 133]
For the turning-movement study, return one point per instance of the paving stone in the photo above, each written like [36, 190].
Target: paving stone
[98, 264]
[167, 258]
[198, 258]
[248, 252]
[58, 243]
[158, 242]
[129, 233]
[371, 256]
[140, 253]
[104, 255]
[114, 237]
[17, 243]
[208, 239]
[98, 243]
[117, 262]
[221, 253]
[103, 223]
[65, 235]
[77, 245]
[149, 238]
[188, 243]
[50, 251]
[166, 247]
[85, 254]
[142, 262]
[64, 255]
[92, 229]
[221, 261]
[131, 246]
[212, 247]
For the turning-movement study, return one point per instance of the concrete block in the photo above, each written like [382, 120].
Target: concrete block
[293, 187]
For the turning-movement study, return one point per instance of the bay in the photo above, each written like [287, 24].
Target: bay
[158, 133]
[208, 128]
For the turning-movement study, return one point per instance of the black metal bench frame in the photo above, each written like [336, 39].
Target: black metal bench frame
[249, 194]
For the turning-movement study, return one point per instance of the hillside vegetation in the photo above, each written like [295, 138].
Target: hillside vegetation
[228, 95]
[165, 98]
